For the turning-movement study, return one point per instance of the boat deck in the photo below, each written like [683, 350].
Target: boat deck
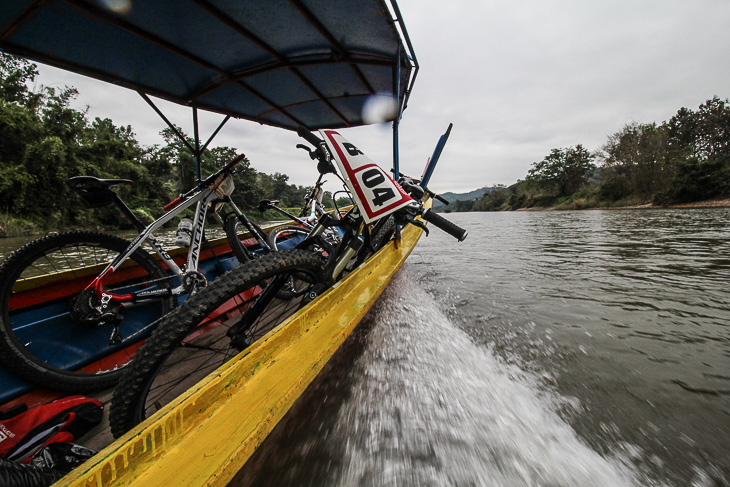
[244, 399]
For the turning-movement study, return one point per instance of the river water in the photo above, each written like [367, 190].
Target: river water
[585, 348]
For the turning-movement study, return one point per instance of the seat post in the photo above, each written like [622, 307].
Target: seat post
[128, 213]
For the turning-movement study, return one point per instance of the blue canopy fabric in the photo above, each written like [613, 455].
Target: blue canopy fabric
[283, 63]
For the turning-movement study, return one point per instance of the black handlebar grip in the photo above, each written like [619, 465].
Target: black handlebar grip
[308, 136]
[441, 199]
[444, 224]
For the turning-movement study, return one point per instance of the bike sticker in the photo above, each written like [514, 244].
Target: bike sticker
[375, 192]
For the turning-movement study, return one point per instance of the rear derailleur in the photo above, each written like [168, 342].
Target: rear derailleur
[88, 310]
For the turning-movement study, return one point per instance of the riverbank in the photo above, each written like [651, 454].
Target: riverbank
[719, 203]
[17, 227]
[716, 203]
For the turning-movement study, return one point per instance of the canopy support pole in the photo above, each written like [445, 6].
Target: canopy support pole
[197, 151]
[197, 144]
[164, 118]
[396, 123]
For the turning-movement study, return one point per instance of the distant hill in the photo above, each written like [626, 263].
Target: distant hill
[452, 197]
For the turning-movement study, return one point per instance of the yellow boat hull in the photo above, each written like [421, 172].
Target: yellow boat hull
[205, 436]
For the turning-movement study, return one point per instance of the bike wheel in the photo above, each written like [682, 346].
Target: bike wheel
[384, 234]
[28, 475]
[41, 342]
[192, 341]
[233, 227]
[286, 237]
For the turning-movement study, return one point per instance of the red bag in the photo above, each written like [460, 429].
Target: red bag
[25, 431]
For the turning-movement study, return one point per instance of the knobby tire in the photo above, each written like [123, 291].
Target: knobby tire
[192, 341]
[40, 330]
[231, 226]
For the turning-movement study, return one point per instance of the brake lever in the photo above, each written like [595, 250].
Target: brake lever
[312, 153]
[407, 217]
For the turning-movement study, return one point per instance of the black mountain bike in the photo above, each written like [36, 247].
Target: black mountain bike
[75, 305]
[244, 304]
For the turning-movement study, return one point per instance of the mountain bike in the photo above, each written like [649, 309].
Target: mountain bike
[288, 236]
[75, 305]
[246, 303]
[284, 236]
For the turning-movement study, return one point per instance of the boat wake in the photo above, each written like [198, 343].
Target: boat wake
[430, 407]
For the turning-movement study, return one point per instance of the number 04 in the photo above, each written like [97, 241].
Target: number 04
[372, 178]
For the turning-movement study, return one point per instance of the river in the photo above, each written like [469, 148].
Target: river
[549, 348]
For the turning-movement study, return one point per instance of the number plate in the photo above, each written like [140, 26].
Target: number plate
[375, 192]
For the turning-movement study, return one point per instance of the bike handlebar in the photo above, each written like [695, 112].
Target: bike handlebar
[233, 163]
[304, 133]
[324, 165]
[440, 198]
[440, 222]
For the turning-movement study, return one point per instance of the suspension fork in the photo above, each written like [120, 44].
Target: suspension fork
[267, 295]
[255, 230]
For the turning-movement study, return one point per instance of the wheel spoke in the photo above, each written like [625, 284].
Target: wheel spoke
[40, 318]
[173, 365]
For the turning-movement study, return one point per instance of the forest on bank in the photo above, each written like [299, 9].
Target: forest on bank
[682, 160]
[43, 142]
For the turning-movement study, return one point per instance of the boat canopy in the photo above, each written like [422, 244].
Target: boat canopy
[282, 63]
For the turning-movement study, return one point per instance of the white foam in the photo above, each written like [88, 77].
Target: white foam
[430, 407]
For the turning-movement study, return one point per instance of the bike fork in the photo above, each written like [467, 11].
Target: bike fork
[237, 332]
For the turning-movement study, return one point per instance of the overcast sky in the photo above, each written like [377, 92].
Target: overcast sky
[516, 79]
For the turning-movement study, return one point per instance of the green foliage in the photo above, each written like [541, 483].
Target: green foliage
[493, 200]
[15, 75]
[11, 226]
[562, 172]
[343, 201]
[638, 155]
[685, 159]
[43, 142]
[703, 134]
[502, 198]
[697, 180]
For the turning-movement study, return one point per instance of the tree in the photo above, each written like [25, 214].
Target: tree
[15, 75]
[562, 172]
[699, 142]
[638, 154]
[703, 134]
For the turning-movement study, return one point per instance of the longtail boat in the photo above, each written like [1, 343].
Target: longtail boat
[284, 64]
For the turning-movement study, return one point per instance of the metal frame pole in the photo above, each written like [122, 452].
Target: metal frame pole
[197, 144]
[197, 151]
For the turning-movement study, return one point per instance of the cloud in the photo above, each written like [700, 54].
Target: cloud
[517, 79]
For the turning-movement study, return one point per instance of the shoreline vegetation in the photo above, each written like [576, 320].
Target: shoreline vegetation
[44, 142]
[681, 163]
[715, 203]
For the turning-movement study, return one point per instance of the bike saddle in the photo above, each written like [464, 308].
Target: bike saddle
[266, 204]
[91, 182]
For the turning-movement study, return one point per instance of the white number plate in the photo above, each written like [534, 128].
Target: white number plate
[375, 192]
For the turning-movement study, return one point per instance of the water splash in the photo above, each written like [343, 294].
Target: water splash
[430, 407]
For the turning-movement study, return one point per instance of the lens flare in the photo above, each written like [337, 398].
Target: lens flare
[117, 6]
[380, 108]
